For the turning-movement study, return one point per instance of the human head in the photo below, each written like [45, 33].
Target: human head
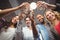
[40, 18]
[15, 19]
[52, 15]
[28, 21]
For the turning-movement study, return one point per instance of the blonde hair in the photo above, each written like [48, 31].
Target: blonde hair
[57, 15]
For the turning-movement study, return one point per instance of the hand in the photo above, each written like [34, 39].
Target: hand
[25, 7]
[25, 4]
[41, 4]
[22, 15]
[45, 5]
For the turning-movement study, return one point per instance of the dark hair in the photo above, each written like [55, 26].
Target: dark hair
[27, 17]
[10, 23]
[35, 33]
[3, 23]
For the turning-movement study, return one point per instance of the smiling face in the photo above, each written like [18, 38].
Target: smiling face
[28, 21]
[50, 16]
[15, 19]
[40, 18]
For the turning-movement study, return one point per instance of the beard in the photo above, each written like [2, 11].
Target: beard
[42, 22]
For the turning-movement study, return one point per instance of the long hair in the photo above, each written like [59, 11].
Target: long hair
[57, 15]
[11, 23]
[3, 24]
[54, 32]
[35, 33]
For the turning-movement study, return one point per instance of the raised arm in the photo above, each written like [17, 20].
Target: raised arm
[5, 11]
[45, 5]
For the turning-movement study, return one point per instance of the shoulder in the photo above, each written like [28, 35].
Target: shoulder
[11, 29]
[24, 27]
[38, 25]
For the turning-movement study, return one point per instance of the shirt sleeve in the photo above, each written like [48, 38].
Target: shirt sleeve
[19, 34]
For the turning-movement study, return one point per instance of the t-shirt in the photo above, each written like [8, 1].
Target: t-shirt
[27, 34]
[57, 28]
[7, 35]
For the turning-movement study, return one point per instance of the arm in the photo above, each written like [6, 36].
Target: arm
[33, 24]
[19, 33]
[5, 11]
[46, 5]
[8, 10]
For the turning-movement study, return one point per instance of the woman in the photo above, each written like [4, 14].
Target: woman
[8, 33]
[29, 32]
[54, 18]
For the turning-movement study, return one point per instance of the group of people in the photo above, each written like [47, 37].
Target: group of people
[48, 27]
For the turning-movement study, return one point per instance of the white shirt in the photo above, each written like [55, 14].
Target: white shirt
[8, 35]
[27, 34]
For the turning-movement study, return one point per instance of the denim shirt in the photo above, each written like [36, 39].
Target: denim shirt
[43, 31]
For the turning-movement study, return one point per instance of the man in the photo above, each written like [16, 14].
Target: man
[43, 28]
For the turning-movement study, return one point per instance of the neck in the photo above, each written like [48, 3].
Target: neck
[43, 23]
[12, 26]
[30, 27]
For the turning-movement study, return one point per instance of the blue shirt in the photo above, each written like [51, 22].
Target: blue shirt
[41, 29]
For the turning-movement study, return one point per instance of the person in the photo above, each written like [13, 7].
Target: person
[54, 18]
[6, 11]
[8, 32]
[27, 32]
[19, 34]
[43, 29]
